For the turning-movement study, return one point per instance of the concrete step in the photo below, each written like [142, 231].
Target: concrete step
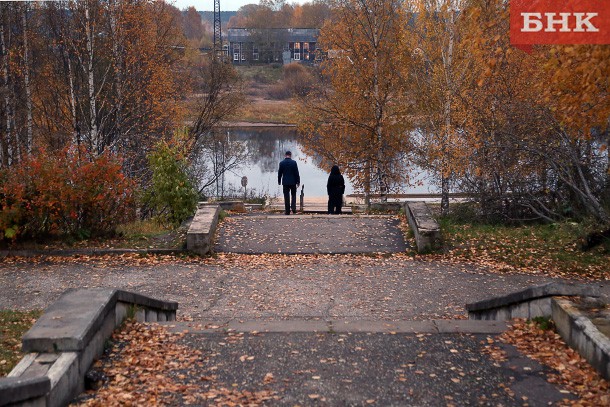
[437, 326]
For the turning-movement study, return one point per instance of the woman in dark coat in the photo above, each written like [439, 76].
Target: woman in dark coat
[335, 189]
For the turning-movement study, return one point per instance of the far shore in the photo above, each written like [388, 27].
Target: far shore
[256, 124]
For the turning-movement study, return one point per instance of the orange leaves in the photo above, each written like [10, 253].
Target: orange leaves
[144, 359]
[573, 372]
[148, 366]
[64, 193]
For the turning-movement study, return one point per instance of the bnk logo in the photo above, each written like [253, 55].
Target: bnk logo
[559, 22]
[532, 22]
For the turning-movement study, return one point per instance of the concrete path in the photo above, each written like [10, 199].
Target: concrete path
[300, 234]
[272, 287]
[318, 329]
[357, 369]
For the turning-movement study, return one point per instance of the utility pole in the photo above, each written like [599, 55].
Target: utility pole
[217, 29]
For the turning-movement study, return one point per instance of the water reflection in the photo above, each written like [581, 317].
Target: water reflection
[266, 147]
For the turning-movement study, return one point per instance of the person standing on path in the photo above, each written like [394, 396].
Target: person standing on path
[288, 177]
[335, 187]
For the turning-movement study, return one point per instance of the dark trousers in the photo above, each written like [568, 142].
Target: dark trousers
[335, 201]
[290, 203]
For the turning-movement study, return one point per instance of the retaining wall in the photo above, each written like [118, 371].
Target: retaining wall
[200, 236]
[67, 338]
[528, 303]
[580, 333]
[426, 230]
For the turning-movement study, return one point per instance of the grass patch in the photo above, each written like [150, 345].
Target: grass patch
[263, 74]
[142, 229]
[266, 111]
[260, 107]
[551, 248]
[544, 323]
[13, 324]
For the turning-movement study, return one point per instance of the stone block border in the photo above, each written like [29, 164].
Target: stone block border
[67, 338]
[581, 334]
[233, 205]
[200, 236]
[529, 303]
[550, 300]
[426, 230]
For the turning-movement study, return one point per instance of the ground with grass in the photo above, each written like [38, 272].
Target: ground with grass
[147, 234]
[553, 249]
[261, 106]
[13, 324]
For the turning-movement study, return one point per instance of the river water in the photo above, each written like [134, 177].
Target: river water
[266, 147]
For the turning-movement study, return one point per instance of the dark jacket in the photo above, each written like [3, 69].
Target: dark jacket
[336, 182]
[288, 173]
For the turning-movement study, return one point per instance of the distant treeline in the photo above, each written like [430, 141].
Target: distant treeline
[225, 16]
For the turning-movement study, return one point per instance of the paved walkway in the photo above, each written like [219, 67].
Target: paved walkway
[358, 369]
[299, 234]
[329, 329]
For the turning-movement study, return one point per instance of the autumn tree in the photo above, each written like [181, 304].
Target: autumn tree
[311, 15]
[18, 44]
[193, 27]
[525, 159]
[110, 70]
[580, 86]
[442, 66]
[359, 117]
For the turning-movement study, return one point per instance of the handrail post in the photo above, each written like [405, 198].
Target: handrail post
[301, 197]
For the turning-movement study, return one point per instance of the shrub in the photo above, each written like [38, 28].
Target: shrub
[297, 81]
[64, 193]
[172, 195]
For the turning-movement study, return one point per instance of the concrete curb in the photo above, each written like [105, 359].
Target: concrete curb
[426, 230]
[200, 236]
[326, 216]
[14, 390]
[529, 303]
[233, 205]
[437, 326]
[580, 333]
[87, 252]
[68, 337]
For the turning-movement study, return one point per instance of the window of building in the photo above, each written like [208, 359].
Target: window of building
[255, 56]
[297, 56]
[306, 46]
[236, 56]
[243, 57]
[297, 45]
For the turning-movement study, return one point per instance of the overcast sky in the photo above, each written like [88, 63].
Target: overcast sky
[225, 5]
[208, 5]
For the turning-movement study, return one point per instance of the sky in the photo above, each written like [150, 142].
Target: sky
[225, 5]
[208, 5]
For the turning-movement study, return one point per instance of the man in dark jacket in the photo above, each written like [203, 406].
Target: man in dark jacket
[288, 176]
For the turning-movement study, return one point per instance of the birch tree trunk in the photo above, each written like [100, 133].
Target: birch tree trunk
[445, 165]
[118, 58]
[90, 39]
[28, 90]
[6, 140]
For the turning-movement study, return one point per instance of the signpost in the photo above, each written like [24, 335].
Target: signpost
[244, 183]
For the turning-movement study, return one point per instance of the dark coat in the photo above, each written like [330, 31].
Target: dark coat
[288, 173]
[336, 183]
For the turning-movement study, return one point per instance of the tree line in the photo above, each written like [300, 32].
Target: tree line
[437, 83]
[108, 83]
